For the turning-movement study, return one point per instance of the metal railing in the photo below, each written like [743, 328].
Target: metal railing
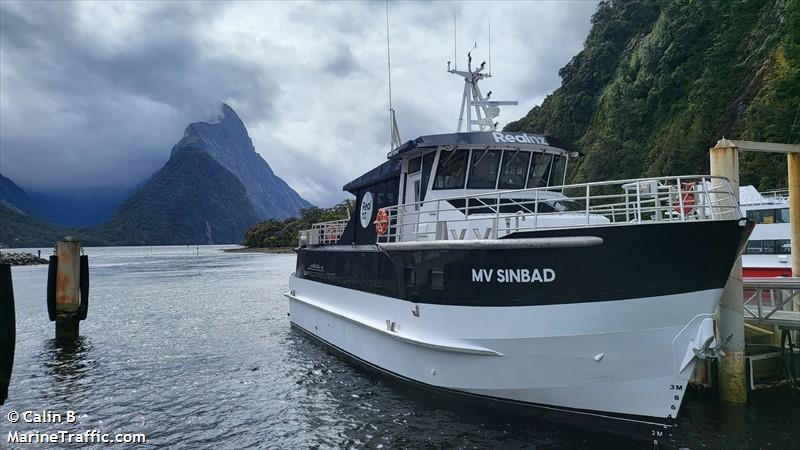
[774, 301]
[624, 202]
[326, 232]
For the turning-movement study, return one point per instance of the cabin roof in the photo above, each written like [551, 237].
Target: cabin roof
[493, 138]
[391, 168]
[386, 171]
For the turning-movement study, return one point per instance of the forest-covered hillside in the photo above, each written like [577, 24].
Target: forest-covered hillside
[659, 82]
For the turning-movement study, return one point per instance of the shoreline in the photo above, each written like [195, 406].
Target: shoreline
[21, 259]
[259, 250]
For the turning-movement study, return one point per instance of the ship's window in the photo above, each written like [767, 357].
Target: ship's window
[514, 169]
[769, 247]
[414, 165]
[427, 165]
[753, 248]
[451, 170]
[483, 169]
[558, 169]
[437, 279]
[540, 170]
[782, 215]
[769, 216]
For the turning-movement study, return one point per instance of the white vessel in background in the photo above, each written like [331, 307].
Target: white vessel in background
[768, 251]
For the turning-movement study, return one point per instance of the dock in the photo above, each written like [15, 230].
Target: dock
[772, 301]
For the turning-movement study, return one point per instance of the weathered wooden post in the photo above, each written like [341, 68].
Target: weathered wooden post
[730, 314]
[7, 330]
[68, 288]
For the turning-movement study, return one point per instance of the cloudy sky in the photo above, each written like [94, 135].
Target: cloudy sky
[96, 93]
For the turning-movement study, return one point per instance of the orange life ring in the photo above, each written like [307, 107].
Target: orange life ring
[330, 232]
[687, 197]
[382, 222]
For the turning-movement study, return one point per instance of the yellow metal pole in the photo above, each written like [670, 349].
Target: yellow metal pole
[730, 314]
[793, 163]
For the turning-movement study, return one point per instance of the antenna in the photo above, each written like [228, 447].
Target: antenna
[472, 100]
[394, 132]
[455, 40]
[490, 45]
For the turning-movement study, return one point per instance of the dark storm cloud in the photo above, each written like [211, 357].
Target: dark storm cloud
[96, 93]
[101, 106]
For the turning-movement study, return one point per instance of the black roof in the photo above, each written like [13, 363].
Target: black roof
[388, 170]
[391, 168]
[481, 138]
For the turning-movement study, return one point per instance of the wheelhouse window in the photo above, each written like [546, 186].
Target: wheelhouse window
[427, 165]
[415, 165]
[514, 169]
[540, 170]
[483, 169]
[452, 169]
[557, 173]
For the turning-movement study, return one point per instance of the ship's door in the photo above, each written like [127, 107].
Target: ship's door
[411, 208]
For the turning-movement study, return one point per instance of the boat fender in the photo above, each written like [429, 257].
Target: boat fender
[83, 308]
[52, 276]
[382, 222]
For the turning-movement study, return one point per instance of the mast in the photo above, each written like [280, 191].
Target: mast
[485, 110]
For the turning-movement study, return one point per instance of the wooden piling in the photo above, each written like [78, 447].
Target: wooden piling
[730, 313]
[68, 297]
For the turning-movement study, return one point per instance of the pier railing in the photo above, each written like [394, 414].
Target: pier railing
[497, 214]
[772, 301]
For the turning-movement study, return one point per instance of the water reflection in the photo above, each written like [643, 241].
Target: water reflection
[67, 364]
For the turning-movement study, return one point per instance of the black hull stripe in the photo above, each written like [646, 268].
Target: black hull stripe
[629, 262]
[625, 424]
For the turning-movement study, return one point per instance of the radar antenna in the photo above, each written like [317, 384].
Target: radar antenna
[485, 110]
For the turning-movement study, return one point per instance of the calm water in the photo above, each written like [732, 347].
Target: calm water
[194, 349]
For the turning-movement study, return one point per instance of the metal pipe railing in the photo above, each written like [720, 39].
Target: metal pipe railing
[684, 198]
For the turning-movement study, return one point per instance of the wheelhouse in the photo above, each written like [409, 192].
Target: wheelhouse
[463, 164]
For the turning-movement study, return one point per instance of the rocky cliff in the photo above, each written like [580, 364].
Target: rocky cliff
[228, 142]
[659, 82]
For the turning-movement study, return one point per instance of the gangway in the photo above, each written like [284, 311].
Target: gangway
[773, 301]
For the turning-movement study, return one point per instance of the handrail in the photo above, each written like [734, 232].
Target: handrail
[327, 232]
[490, 215]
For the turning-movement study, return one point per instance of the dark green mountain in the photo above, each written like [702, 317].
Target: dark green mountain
[659, 82]
[191, 200]
[21, 230]
[15, 198]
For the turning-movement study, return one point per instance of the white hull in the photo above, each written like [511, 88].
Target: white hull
[619, 357]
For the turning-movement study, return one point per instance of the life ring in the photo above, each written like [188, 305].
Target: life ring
[382, 222]
[687, 199]
[330, 232]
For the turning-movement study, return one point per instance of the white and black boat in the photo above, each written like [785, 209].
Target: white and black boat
[469, 267]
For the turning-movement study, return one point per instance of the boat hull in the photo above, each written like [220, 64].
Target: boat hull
[613, 358]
